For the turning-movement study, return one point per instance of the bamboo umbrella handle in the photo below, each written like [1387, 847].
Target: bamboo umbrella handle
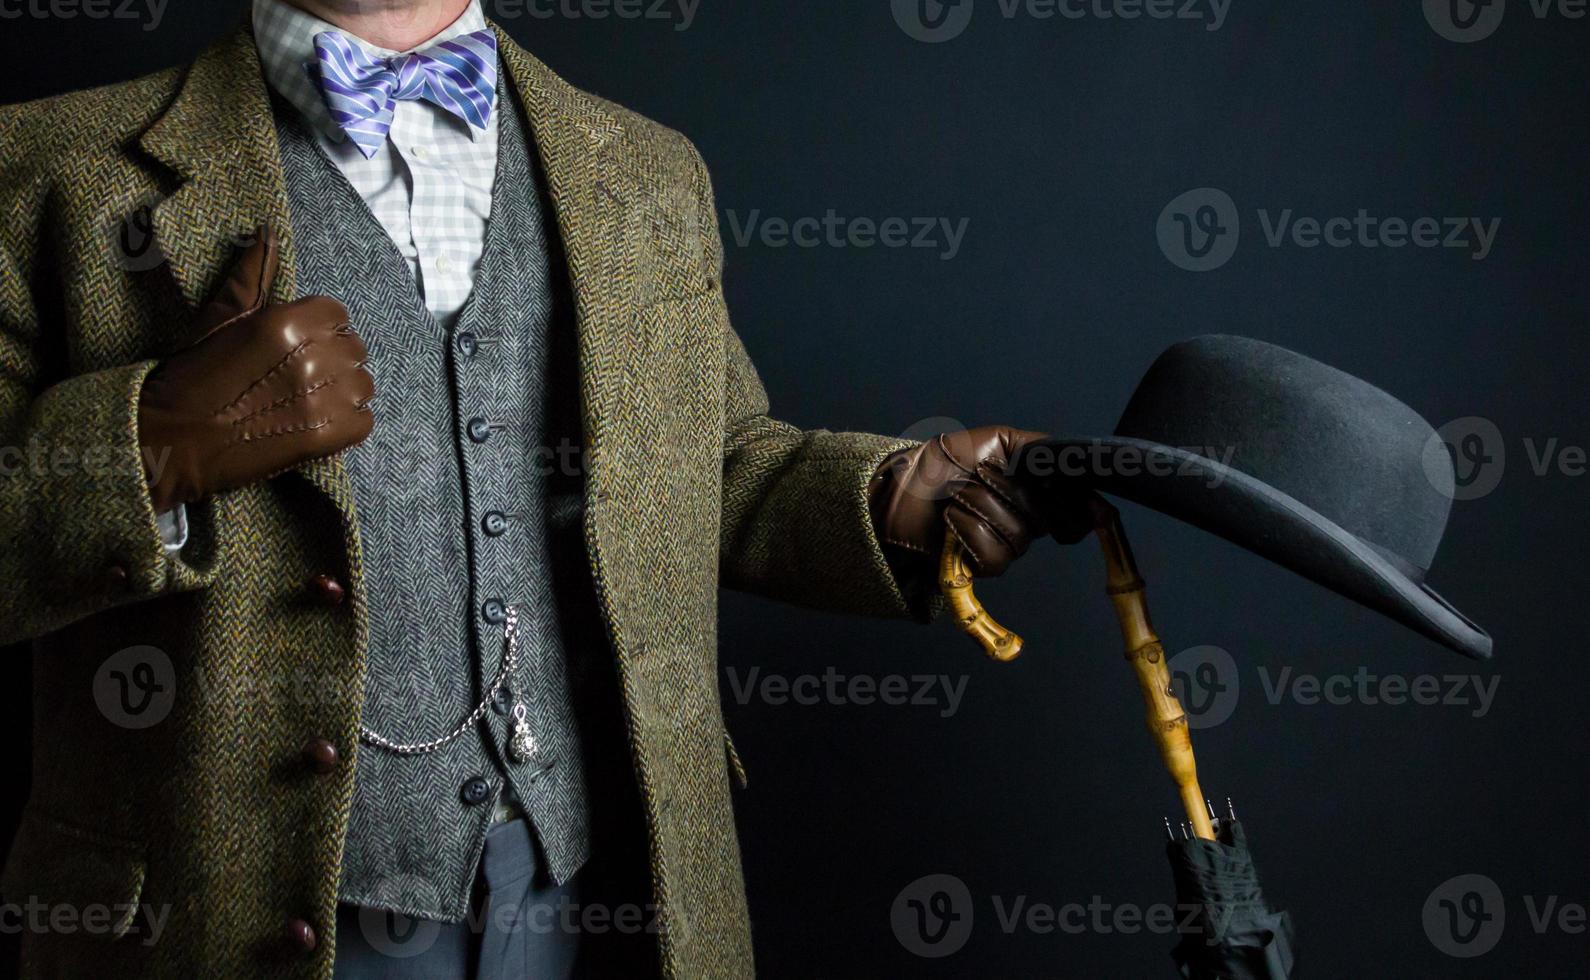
[955, 581]
[1167, 722]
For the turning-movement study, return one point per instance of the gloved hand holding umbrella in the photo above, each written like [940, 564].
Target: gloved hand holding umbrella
[1319, 472]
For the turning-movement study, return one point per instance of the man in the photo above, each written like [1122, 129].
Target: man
[403, 485]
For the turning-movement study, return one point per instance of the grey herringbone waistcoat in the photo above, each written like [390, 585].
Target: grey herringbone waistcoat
[462, 494]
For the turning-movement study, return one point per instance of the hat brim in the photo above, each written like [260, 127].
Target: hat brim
[1256, 516]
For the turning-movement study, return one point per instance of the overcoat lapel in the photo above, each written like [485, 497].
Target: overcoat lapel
[595, 176]
[219, 137]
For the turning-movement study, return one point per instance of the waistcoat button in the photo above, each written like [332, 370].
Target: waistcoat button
[479, 430]
[494, 612]
[475, 792]
[468, 344]
[495, 524]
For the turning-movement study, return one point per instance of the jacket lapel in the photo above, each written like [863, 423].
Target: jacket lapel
[595, 178]
[219, 137]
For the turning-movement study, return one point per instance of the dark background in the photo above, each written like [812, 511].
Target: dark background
[1061, 141]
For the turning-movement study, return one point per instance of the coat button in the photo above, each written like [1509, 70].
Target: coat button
[328, 590]
[479, 430]
[116, 577]
[494, 612]
[475, 792]
[321, 755]
[495, 524]
[468, 344]
[301, 935]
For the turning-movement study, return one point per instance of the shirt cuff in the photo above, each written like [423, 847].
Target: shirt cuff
[173, 526]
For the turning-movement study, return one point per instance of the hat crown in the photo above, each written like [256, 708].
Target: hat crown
[1335, 443]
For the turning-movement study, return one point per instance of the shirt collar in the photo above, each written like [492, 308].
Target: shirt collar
[285, 36]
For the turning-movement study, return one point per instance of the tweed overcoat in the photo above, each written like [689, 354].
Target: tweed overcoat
[210, 818]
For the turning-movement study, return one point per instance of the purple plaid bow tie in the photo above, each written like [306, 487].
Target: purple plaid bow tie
[362, 92]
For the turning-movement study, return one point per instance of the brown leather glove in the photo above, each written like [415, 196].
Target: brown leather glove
[264, 389]
[968, 480]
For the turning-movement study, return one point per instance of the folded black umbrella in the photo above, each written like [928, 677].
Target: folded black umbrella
[1235, 935]
[1297, 462]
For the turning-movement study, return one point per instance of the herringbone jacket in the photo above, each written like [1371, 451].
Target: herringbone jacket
[210, 816]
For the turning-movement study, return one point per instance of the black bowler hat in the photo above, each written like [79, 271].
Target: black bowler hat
[1293, 460]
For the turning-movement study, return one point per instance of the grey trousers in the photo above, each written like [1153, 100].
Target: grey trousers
[523, 926]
